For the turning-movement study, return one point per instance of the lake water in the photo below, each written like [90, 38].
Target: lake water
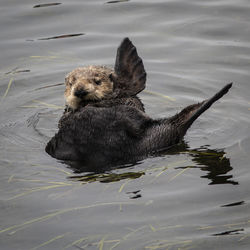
[195, 196]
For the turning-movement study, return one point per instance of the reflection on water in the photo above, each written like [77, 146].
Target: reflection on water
[234, 204]
[231, 232]
[215, 163]
[212, 161]
[80, 167]
[46, 5]
[107, 178]
[117, 1]
[61, 36]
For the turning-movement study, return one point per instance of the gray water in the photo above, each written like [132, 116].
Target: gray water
[194, 197]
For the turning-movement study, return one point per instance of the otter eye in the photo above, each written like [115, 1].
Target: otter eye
[97, 81]
[70, 83]
[111, 77]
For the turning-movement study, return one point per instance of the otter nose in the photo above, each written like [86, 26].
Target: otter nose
[80, 93]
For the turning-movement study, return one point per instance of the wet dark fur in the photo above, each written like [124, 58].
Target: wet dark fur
[117, 130]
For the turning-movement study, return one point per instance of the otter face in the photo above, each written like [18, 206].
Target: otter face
[88, 83]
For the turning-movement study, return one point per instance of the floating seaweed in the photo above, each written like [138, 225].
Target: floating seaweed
[107, 178]
[160, 95]
[123, 185]
[53, 56]
[181, 172]
[49, 86]
[164, 244]
[50, 241]
[7, 90]
[60, 212]
[43, 188]
[15, 71]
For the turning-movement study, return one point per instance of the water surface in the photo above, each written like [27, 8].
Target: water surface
[195, 196]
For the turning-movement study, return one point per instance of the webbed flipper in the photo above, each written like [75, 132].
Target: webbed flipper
[206, 105]
[188, 115]
[130, 76]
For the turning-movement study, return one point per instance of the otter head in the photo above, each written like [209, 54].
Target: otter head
[92, 83]
[95, 83]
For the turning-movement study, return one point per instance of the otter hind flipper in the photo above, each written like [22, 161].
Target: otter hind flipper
[130, 75]
[206, 105]
[188, 115]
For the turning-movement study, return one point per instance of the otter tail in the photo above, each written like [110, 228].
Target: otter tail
[187, 116]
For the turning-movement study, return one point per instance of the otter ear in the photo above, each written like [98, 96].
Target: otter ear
[130, 75]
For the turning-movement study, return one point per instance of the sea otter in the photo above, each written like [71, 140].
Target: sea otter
[104, 122]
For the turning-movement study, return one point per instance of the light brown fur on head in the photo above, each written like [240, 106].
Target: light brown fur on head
[87, 84]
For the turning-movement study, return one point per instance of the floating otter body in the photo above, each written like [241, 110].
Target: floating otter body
[104, 121]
